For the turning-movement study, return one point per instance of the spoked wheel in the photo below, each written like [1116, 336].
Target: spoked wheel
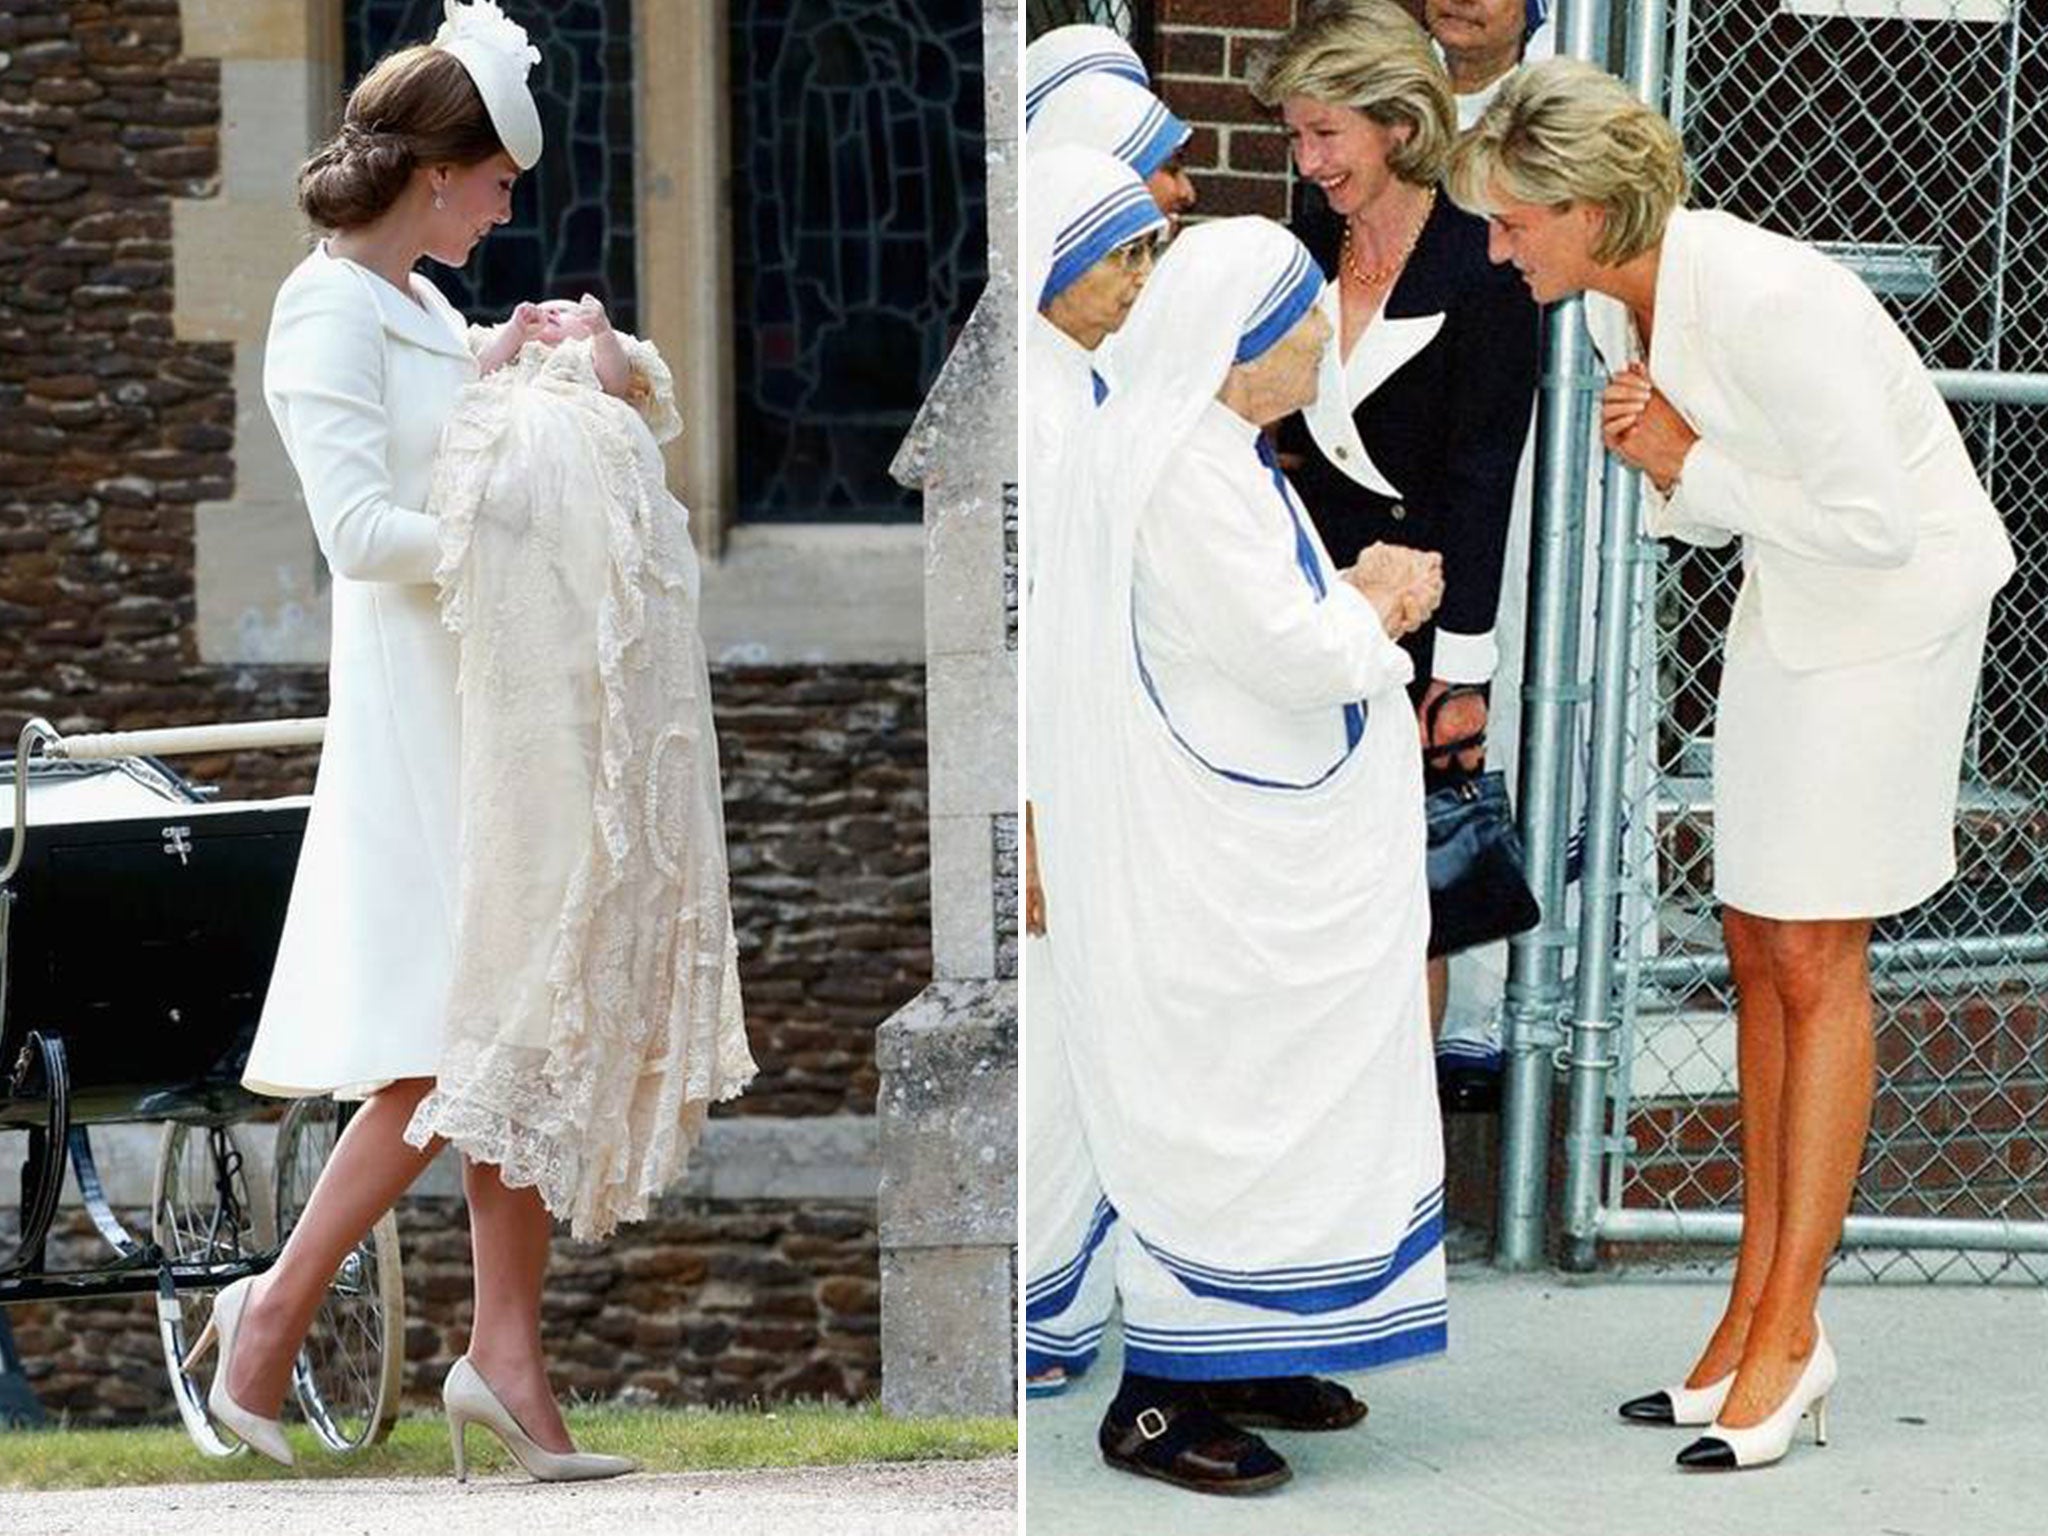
[347, 1375]
[211, 1205]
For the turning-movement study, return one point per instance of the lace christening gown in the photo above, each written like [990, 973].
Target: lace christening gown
[595, 1012]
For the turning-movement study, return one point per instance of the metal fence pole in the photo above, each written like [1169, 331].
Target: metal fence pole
[1594, 1024]
[1550, 693]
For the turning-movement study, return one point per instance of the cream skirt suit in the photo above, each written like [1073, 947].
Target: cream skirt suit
[1870, 555]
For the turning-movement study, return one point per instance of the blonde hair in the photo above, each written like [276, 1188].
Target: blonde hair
[1373, 57]
[1561, 132]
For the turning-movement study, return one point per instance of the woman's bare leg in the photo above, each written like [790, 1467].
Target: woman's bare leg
[1822, 973]
[508, 1235]
[1760, 1071]
[370, 1167]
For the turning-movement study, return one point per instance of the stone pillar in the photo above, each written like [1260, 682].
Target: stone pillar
[948, 1103]
[261, 588]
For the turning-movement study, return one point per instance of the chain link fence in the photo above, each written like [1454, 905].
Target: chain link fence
[1906, 142]
[1132, 18]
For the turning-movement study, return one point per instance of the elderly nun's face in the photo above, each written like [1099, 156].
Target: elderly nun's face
[1282, 379]
[1297, 360]
[1551, 247]
[1341, 150]
[1097, 302]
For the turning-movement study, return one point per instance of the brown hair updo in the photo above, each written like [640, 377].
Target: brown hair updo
[416, 107]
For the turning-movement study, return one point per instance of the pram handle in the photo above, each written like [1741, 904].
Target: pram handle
[166, 741]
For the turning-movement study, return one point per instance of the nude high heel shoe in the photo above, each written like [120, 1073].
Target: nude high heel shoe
[468, 1399]
[1724, 1448]
[259, 1434]
[1690, 1406]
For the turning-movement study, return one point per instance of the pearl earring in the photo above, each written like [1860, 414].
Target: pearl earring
[437, 201]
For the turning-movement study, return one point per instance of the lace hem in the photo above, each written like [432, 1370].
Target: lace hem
[596, 1011]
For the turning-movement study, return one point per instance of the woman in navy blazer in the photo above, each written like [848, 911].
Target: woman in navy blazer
[1417, 430]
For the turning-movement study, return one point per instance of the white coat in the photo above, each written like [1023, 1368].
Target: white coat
[1823, 443]
[359, 379]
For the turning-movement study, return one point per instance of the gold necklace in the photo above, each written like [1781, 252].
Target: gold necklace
[1373, 277]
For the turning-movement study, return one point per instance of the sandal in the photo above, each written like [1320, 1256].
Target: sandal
[1186, 1444]
[1284, 1402]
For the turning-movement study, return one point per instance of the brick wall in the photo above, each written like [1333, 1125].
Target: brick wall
[1956, 1128]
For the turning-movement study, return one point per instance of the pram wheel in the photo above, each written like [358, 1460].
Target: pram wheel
[347, 1375]
[210, 1204]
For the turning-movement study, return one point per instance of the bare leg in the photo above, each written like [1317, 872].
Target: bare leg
[1760, 1069]
[508, 1234]
[1439, 993]
[1822, 974]
[371, 1166]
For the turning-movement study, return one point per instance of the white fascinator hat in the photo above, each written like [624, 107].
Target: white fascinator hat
[493, 48]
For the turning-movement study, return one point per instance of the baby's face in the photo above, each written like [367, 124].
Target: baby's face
[562, 320]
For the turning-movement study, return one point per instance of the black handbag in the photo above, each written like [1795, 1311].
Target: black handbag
[1478, 885]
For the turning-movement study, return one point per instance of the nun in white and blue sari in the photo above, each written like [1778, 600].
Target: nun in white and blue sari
[1112, 113]
[1090, 227]
[1067, 53]
[1237, 884]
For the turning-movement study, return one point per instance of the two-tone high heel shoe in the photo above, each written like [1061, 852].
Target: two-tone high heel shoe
[259, 1434]
[468, 1399]
[1691, 1407]
[1724, 1447]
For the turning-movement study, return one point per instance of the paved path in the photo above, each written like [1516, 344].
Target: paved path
[931, 1498]
[1939, 1427]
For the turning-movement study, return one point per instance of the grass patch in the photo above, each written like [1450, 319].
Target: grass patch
[676, 1440]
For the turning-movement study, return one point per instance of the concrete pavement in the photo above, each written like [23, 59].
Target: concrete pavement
[1938, 1427]
[929, 1498]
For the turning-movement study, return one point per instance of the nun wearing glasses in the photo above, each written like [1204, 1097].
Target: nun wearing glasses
[1091, 233]
[1236, 885]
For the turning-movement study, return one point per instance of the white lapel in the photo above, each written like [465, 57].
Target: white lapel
[1673, 361]
[1613, 336]
[1344, 382]
[430, 326]
[430, 323]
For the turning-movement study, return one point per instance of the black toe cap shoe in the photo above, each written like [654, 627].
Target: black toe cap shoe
[1650, 1408]
[1708, 1453]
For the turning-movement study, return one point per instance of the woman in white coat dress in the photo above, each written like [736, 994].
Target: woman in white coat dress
[1764, 393]
[363, 364]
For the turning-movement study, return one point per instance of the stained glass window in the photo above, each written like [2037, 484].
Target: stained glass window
[572, 229]
[860, 239]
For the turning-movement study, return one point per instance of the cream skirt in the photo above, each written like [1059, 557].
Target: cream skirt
[1835, 789]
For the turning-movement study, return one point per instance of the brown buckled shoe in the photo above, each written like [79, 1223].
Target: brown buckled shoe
[1284, 1402]
[1189, 1446]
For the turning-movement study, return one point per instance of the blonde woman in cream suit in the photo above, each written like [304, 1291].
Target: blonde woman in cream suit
[1766, 396]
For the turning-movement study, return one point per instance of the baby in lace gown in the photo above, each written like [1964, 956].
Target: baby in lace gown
[595, 1011]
